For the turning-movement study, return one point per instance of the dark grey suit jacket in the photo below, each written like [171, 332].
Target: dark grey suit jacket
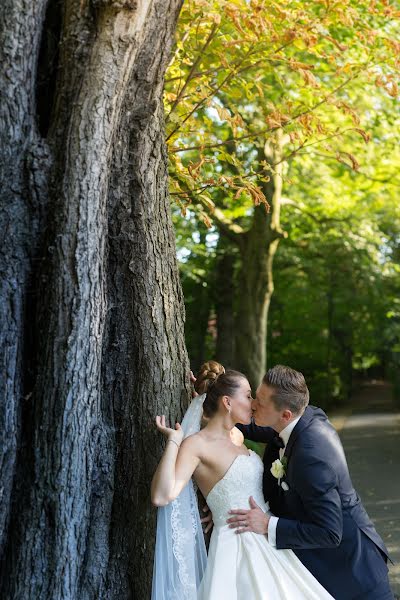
[321, 516]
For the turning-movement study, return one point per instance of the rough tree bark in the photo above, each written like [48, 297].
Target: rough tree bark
[21, 152]
[90, 201]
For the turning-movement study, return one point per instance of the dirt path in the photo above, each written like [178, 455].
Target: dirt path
[371, 439]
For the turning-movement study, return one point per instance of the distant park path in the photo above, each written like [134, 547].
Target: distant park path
[371, 438]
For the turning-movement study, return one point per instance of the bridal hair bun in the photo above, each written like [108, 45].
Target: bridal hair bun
[216, 382]
[208, 375]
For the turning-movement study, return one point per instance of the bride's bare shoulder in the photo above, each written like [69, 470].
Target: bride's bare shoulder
[193, 443]
[237, 437]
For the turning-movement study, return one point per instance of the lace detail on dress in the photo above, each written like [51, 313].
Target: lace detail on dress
[247, 566]
[181, 538]
[180, 555]
[194, 509]
[242, 480]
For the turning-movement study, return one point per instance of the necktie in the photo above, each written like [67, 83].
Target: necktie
[278, 442]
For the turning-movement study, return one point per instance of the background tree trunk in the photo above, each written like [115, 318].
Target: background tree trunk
[253, 282]
[244, 283]
[199, 289]
[225, 302]
[254, 297]
[256, 274]
[110, 324]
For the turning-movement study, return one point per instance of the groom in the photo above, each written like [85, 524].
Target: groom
[318, 513]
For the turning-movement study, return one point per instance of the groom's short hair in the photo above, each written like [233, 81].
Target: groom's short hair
[290, 388]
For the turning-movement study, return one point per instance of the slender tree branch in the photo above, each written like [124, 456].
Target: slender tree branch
[213, 93]
[389, 180]
[174, 55]
[319, 141]
[192, 70]
[300, 207]
[261, 131]
[231, 229]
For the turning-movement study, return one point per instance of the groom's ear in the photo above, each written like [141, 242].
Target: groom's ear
[287, 415]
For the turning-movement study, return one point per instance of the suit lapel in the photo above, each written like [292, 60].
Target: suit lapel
[302, 424]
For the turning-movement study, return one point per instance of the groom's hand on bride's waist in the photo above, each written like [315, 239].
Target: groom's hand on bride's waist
[207, 521]
[254, 520]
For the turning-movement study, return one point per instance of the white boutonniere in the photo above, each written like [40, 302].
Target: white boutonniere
[278, 468]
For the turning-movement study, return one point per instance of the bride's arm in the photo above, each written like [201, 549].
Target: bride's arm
[177, 465]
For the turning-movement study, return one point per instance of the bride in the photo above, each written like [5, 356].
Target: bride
[239, 567]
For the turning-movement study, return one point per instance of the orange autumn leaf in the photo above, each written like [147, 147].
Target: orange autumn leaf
[366, 136]
[276, 119]
[309, 78]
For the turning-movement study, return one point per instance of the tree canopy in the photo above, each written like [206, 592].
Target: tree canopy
[324, 75]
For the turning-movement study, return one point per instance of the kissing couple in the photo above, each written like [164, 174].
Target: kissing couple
[288, 527]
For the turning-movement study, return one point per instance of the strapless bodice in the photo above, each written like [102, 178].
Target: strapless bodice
[242, 480]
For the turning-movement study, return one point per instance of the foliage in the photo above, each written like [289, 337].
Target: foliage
[325, 73]
[243, 69]
[339, 269]
[336, 294]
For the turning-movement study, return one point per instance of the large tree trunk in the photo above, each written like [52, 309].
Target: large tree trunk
[147, 366]
[21, 155]
[110, 324]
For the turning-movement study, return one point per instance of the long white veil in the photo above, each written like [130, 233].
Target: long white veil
[180, 555]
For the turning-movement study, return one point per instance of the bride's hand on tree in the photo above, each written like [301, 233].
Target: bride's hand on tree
[173, 435]
[193, 381]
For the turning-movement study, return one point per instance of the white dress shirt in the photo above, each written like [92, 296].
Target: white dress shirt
[285, 435]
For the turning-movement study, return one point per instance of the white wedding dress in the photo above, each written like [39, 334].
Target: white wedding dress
[245, 566]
